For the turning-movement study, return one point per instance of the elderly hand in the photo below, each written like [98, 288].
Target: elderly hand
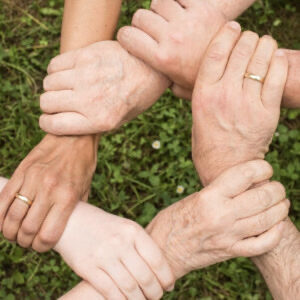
[173, 37]
[234, 118]
[56, 174]
[97, 89]
[115, 255]
[223, 221]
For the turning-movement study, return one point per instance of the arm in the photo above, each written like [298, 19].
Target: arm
[86, 24]
[174, 39]
[234, 119]
[57, 164]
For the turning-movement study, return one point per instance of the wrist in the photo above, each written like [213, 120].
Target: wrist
[281, 266]
[210, 166]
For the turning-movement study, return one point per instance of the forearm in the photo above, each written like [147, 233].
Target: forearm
[281, 267]
[86, 24]
[232, 8]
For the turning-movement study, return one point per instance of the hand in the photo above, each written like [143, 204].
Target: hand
[97, 89]
[234, 118]
[115, 255]
[173, 37]
[223, 221]
[56, 174]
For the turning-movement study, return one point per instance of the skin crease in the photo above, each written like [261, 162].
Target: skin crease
[172, 42]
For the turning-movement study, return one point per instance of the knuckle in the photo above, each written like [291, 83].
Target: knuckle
[28, 229]
[129, 286]
[216, 52]
[259, 61]
[250, 35]
[146, 280]
[47, 237]
[164, 58]
[14, 215]
[263, 197]
[262, 221]
[50, 181]
[137, 16]
[69, 196]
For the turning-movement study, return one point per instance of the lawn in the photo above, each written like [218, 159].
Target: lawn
[132, 179]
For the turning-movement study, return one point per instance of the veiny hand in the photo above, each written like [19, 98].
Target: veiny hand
[115, 255]
[223, 221]
[234, 118]
[97, 89]
[56, 174]
[173, 37]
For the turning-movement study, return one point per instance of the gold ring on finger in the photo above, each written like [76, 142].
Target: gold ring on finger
[24, 199]
[254, 77]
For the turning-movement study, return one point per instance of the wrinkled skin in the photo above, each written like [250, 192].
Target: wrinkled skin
[56, 174]
[173, 37]
[97, 89]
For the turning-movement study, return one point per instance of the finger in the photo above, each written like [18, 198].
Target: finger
[104, 284]
[58, 81]
[68, 123]
[182, 92]
[264, 221]
[143, 275]
[259, 245]
[257, 200]
[168, 9]
[18, 209]
[62, 62]
[217, 55]
[240, 57]
[240, 177]
[124, 280]
[3, 182]
[275, 81]
[154, 258]
[149, 22]
[139, 44]
[58, 101]
[259, 65]
[33, 220]
[82, 290]
[8, 193]
[54, 225]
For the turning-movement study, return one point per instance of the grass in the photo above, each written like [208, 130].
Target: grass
[132, 179]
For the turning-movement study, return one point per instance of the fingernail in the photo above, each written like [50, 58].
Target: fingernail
[171, 288]
[279, 53]
[234, 25]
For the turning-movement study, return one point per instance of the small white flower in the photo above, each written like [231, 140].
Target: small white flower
[156, 145]
[276, 133]
[179, 189]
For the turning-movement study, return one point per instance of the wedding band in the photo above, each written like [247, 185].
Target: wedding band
[254, 77]
[24, 199]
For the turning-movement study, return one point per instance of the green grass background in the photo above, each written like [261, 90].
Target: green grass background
[132, 179]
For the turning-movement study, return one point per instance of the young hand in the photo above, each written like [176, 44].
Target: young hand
[55, 175]
[224, 220]
[96, 89]
[234, 118]
[115, 255]
[172, 38]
